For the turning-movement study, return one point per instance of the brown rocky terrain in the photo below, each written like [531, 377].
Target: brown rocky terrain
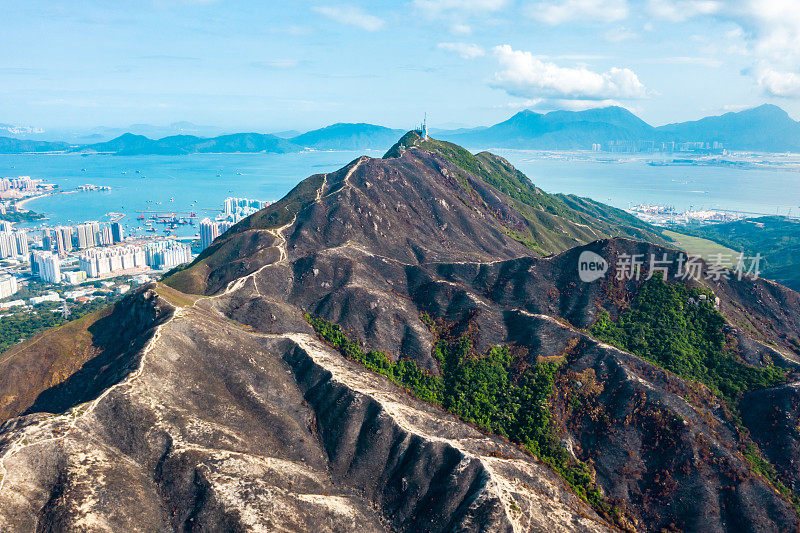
[227, 412]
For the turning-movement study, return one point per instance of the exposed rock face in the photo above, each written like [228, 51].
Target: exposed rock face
[229, 414]
[221, 428]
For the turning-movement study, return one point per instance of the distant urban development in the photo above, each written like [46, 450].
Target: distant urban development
[651, 147]
[71, 262]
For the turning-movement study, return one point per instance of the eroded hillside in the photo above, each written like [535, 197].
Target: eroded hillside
[425, 277]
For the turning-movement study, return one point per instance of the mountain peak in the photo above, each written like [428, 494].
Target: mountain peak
[526, 113]
[408, 140]
[129, 136]
[770, 110]
[347, 136]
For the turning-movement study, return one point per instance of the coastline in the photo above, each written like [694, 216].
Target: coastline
[21, 203]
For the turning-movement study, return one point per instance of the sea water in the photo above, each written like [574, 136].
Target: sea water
[199, 183]
[623, 182]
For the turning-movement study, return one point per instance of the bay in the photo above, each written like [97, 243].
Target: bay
[199, 183]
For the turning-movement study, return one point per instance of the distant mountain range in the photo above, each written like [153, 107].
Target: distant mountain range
[564, 130]
[349, 137]
[21, 146]
[335, 137]
[130, 144]
[766, 128]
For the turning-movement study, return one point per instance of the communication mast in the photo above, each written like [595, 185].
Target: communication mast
[422, 129]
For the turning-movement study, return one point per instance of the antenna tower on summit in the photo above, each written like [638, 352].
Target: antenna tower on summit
[425, 128]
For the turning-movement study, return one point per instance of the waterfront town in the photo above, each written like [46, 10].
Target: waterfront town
[66, 266]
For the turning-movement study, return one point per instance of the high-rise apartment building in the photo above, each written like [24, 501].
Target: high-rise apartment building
[46, 266]
[209, 230]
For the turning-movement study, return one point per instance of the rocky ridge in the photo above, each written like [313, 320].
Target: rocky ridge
[234, 416]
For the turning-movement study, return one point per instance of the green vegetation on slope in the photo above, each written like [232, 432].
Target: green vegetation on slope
[555, 222]
[709, 250]
[777, 239]
[765, 468]
[21, 216]
[21, 325]
[484, 392]
[687, 339]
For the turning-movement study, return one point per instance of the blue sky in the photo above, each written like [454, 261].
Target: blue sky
[273, 65]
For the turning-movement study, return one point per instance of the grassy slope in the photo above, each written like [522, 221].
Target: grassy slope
[44, 361]
[707, 249]
[777, 239]
[555, 222]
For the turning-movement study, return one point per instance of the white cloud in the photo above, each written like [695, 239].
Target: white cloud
[465, 50]
[680, 10]
[352, 16]
[773, 25]
[525, 75]
[781, 84]
[559, 12]
[552, 104]
[768, 31]
[771, 29]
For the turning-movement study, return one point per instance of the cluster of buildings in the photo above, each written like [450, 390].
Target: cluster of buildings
[235, 209]
[46, 266]
[660, 215]
[64, 239]
[23, 186]
[118, 260]
[13, 243]
[167, 254]
[91, 250]
[632, 146]
[111, 261]
[211, 229]
[99, 262]
[80, 294]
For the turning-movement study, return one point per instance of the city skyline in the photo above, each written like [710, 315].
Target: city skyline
[301, 65]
